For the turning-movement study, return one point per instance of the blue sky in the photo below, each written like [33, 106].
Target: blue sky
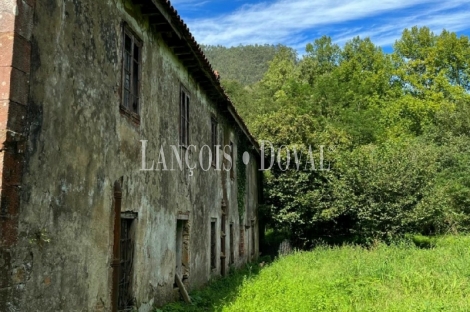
[297, 22]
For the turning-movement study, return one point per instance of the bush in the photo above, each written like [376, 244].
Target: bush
[376, 191]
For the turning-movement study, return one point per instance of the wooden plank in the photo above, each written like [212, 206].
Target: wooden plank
[162, 8]
[189, 64]
[150, 10]
[176, 43]
[182, 50]
[182, 289]
[187, 58]
[129, 215]
[161, 28]
[183, 216]
[157, 20]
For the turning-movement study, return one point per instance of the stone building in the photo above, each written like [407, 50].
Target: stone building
[109, 113]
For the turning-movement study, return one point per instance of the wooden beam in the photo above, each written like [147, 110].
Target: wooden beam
[198, 75]
[157, 22]
[184, 55]
[181, 50]
[161, 8]
[205, 82]
[176, 43]
[187, 57]
[182, 289]
[191, 64]
[156, 19]
[150, 10]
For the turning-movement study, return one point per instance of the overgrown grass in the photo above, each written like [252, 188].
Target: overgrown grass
[218, 293]
[400, 277]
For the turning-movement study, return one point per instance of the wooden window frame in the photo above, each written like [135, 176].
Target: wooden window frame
[185, 100]
[131, 101]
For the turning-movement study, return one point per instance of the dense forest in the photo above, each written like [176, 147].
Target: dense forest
[395, 130]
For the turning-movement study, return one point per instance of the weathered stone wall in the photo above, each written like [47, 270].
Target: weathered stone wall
[79, 144]
[15, 53]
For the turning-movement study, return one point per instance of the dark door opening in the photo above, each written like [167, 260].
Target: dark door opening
[222, 245]
[253, 239]
[125, 299]
[232, 252]
[213, 245]
[182, 249]
[123, 252]
[179, 248]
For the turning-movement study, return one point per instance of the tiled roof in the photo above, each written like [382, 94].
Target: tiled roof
[179, 37]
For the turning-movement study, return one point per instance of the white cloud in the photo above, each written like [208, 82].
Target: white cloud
[188, 4]
[296, 22]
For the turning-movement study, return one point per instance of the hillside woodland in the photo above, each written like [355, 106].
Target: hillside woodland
[243, 64]
[394, 129]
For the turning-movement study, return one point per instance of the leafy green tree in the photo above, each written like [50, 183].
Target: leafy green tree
[271, 91]
[395, 130]
[322, 57]
[380, 187]
[452, 56]
[241, 96]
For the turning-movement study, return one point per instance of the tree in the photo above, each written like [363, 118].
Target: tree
[394, 130]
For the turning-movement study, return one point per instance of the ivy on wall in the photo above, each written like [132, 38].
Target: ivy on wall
[241, 173]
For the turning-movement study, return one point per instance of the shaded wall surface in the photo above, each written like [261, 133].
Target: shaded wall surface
[69, 143]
